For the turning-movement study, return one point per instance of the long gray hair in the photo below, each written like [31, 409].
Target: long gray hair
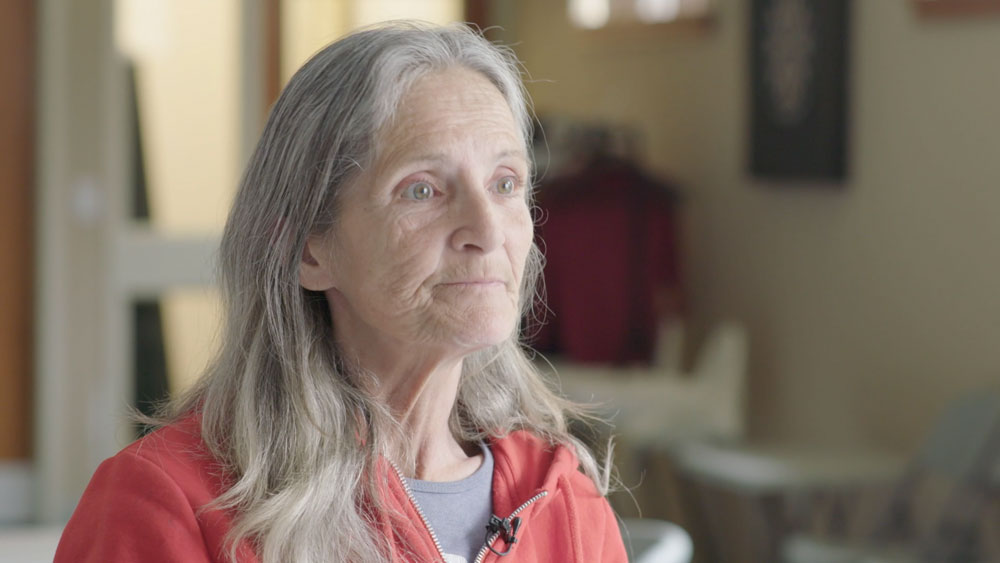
[291, 423]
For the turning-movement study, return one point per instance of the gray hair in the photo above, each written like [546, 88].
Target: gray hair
[288, 419]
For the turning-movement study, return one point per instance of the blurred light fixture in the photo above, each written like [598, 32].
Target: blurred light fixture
[595, 14]
[589, 14]
[657, 11]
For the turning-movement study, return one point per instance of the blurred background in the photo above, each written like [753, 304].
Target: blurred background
[790, 210]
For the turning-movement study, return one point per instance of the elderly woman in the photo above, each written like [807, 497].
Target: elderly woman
[371, 400]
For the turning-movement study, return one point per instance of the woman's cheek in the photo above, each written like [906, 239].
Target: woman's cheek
[525, 234]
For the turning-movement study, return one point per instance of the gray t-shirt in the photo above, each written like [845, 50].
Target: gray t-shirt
[458, 511]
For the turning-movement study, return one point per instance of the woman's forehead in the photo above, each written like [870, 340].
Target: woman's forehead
[450, 109]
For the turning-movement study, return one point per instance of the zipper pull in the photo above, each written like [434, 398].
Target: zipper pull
[506, 530]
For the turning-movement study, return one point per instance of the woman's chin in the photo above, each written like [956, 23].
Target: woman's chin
[482, 329]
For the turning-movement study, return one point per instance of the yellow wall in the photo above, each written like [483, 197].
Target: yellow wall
[869, 306]
[186, 54]
[309, 25]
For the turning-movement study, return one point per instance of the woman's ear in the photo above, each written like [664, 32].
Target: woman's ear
[315, 272]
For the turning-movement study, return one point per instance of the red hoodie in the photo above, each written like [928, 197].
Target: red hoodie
[143, 505]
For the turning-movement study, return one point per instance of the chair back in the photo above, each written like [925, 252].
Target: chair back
[940, 499]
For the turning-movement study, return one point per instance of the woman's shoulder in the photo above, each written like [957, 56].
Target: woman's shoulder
[146, 503]
[179, 453]
[172, 457]
[176, 443]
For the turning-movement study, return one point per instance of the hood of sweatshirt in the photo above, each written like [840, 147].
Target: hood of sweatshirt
[539, 496]
[527, 467]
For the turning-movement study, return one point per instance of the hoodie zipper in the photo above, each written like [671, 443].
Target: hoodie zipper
[489, 541]
[420, 512]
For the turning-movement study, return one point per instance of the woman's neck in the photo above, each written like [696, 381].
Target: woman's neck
[422, 399]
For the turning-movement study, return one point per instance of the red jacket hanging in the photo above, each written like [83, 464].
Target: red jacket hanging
[609, 236]
[143, 504]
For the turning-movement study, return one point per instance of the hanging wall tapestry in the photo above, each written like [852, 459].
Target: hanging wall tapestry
[798, 73]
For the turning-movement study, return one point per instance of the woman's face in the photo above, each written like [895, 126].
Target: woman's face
[430, 244]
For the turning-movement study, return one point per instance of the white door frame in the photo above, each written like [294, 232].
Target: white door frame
[91, 261]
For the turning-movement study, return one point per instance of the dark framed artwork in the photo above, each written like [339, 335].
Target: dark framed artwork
[798, 74]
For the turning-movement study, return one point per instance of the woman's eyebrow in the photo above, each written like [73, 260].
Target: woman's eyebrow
[425, 157]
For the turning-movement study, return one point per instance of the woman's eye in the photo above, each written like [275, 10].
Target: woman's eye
[418, 191]
[506, 185]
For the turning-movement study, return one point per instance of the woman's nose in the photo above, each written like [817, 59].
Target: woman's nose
[478, 220]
